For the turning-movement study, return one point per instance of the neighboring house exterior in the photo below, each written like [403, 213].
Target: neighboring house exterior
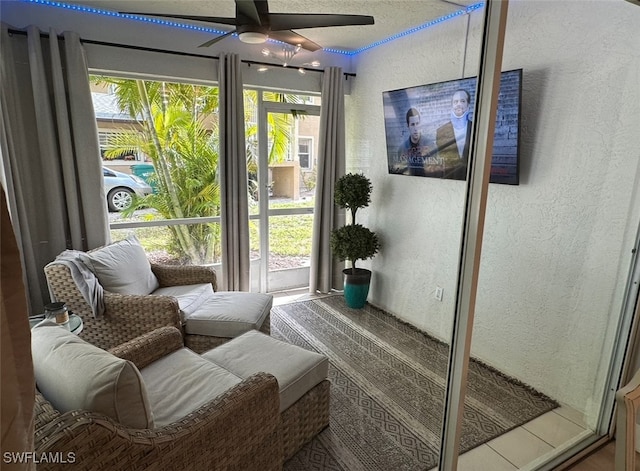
[110, 119]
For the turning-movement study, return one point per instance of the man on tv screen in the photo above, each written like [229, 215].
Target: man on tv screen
[452, 138]
[417, 152]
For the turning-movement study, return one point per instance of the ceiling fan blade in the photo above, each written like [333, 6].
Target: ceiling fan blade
[282, 21]
[253, 16]
[207, 19]
[252, 12]
[294, 39]
[211, 42]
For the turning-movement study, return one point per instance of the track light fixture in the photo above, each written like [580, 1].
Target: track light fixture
[285, 56]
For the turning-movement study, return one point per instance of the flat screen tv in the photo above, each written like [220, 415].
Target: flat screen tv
[427, 129]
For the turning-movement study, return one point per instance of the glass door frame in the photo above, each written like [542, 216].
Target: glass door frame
[477, 187]
[264, 108]
[469, 263]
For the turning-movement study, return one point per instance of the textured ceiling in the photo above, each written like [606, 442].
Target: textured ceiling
[391, 16]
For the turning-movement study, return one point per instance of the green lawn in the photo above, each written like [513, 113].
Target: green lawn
[289, 235]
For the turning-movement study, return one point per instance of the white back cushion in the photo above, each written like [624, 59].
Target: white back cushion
[73, 374]
[122, 267]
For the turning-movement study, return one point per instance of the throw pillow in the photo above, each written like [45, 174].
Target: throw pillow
[73, 374]
[122, 267]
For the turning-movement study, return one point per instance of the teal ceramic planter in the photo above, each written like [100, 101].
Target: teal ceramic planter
[356, 287]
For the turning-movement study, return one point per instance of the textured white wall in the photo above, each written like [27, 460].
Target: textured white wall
[557, 247]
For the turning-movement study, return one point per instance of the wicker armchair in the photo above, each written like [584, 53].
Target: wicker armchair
[628, 402]
[129, 316]
[238, 430]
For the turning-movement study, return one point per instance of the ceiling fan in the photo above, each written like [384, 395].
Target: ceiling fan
[254, 23]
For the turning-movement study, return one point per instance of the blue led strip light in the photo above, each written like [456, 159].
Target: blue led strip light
[114, 14]
[469, 9]
[145, 19]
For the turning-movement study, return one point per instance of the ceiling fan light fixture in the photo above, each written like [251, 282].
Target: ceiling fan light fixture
[252, 37]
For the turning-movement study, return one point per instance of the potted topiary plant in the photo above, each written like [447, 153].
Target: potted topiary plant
[354, 242]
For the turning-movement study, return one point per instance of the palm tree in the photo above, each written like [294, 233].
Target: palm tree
[172, 118]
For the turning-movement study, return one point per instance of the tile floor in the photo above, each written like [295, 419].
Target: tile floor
[514, 450]
[524, 445]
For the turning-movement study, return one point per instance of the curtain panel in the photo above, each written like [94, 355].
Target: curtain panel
[325, 271]
[51, 164]
[233, 178]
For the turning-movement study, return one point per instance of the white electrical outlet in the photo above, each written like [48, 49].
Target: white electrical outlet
[438, 293]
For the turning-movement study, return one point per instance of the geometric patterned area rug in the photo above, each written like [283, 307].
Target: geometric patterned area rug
[388, 387]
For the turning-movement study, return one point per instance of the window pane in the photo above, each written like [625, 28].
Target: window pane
[161, 141]
[304, 152]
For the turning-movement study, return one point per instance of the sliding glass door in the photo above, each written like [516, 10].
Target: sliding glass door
[288, 133]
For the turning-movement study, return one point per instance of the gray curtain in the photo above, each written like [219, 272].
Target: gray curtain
[325, 272]
[233, 178]
[51, 165]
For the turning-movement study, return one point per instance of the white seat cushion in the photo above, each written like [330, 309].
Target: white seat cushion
[296, 369]
[229, 314]
[122, 267]
[190, 297]
[182, 381]
[73, 374]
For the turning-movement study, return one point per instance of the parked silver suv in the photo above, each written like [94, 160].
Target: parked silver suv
[120, 188]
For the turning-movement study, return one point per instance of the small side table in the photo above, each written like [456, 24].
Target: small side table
[75, 323]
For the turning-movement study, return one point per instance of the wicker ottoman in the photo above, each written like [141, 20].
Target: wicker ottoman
[225, 315]
[302, 381]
